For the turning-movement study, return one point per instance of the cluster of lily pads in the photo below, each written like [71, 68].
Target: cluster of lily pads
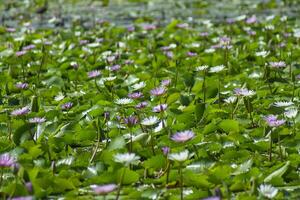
[151, 111]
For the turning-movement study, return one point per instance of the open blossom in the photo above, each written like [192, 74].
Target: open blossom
[291, 113]
[28, 47]
[166, 82]
[158, 91]
[283, 103]
[179, 157]
[131, 121]
[165, 150]
[22, 85]
[141, 105]
[230, 100]
[126, 158]
[244, 92]
[94, 73]
[268, 191]
[183, 25]
[191, 54]
[149, 27]
[160, 108]
[6, 160]
[21, 111]
[201, 68]
[150, 121]
[123, 101]
[67, 106]
[217, 69]
[104, 189]
[21, 53]
[37, 120]
[277, 64]
[251, 20]
[262, 53]
[183, 136]
[272, 121]
[115, 68]
[135, 95]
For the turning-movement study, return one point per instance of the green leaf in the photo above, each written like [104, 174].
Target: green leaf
[229, 125]
[156, 162]
[278, 173]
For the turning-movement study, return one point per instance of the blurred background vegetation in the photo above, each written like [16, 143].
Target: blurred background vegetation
[63, 13]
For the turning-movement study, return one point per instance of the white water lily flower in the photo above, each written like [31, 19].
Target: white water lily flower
[139, 85]
[180, 157]
[217, 69]
[291, 113]
[262, 53]
[255, 75]
[126, 158]
[283, 103]
[123, 101]
[149, 121]
[201, 68]
[230, 100]
[268, 191]
[59, 97]
[211, 50]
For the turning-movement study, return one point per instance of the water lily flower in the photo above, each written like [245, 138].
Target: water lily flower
[165, 150]
[160, 108]
[115, 68]
[217, 69]
[244, 92]
[104, 189]
[165, 82]
[183, 136]
[131, 121]
[283, 103]
[158, 91]
[21, 111]
[230, 100]
[262, 54]
[291, 113]
[268, 191]
[37, 120]
[272, 121]
[251, 20]
[20, 53]
[29, 47]
[201, 68]
[150, 121]
[123, 101]
[142, 105]
[135, 95]
[22, 85]
[94, 74]
[67, 106]
[279, 64]
[126, 158]
[6, 160]
[179, 157]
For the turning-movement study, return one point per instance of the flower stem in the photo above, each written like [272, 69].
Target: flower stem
[270, 148]
[204, 87]
[219, 91]
[120, 184]
[279, 145]
[181, 182]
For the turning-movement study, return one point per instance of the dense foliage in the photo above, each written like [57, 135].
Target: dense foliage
[151, 111]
